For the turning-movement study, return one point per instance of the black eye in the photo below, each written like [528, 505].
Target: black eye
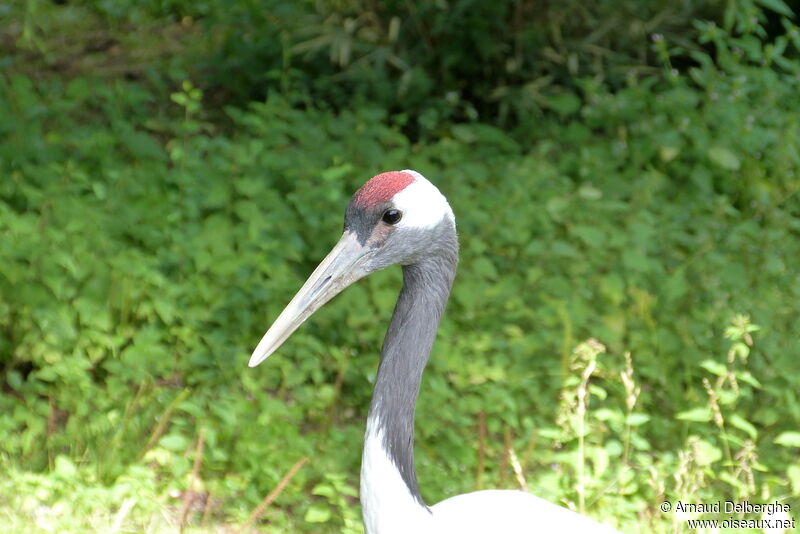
[392, 216]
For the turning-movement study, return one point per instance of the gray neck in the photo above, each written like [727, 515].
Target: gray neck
[406, 347]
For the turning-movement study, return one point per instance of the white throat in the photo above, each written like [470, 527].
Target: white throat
[387, 504]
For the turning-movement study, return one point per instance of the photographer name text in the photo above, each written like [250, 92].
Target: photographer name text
[731, 507]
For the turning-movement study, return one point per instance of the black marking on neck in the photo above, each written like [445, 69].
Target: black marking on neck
[407, 345]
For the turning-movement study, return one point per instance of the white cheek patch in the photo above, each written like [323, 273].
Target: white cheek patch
[422, 204]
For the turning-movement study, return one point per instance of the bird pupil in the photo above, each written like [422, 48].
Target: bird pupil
[392, 216]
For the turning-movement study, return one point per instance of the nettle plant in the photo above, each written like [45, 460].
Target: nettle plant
[601, 440]
[720, 457]
[597, 436]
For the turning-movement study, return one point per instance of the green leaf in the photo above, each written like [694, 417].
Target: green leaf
[728, 396]
[794, 477]
[747, 376]
[705, 453]
[564, 103]
[778, 6]
[589, 192]
[743, 424]
[174, 442]
[463, 133]
[698, 415]
[788, 439]
[324, 490]
[668, 153]
[590, 235]
[714, 367]
[317, 513]
[179, 98]
[14, 379]
[637, 419]
[724, 158]
[65, 467]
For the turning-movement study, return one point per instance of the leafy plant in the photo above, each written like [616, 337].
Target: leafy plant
[151, 234]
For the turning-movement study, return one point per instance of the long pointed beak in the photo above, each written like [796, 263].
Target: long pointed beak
[340, 268]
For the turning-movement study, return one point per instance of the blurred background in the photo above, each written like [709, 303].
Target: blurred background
[625, 177]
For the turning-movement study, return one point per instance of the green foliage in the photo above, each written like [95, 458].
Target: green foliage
[69, 498]
[502, 62]
[148, 242]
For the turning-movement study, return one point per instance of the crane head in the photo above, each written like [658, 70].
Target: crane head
[396, 217]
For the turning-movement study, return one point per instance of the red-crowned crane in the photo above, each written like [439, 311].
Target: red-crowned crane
[401, 218]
